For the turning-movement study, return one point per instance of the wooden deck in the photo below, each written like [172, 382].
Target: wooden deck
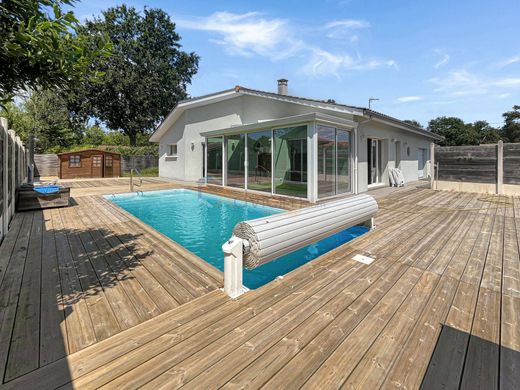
[439, 306]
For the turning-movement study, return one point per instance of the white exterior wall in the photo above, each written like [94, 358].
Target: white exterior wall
[389, 135]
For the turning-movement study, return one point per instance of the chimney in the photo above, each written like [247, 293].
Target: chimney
[282, 87]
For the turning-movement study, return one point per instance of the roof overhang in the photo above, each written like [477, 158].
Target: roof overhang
[281, 122]
[331, 107]
[388, 120]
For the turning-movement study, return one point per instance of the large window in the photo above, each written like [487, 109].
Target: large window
[326, 161]
[290, 161]
[343, 161]
[214, 160]
[259, 173]
[334, 153]
[236, 155]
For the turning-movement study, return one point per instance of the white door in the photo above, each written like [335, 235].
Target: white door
[421, 161]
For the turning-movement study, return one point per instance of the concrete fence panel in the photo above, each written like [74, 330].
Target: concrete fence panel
[138, 162]
[46, 165]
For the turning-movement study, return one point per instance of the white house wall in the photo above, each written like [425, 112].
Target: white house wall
[389, 136]
[243, 109]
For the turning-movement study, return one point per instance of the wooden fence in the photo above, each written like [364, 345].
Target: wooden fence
[484, 168]
[13, 172]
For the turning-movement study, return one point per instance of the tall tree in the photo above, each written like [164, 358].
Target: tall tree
[146, 75]
[452, 129]
[511, 129]
[481, 132]
[46, 115]
[39, 47]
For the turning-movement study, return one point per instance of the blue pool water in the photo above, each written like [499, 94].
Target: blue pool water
[202, 222]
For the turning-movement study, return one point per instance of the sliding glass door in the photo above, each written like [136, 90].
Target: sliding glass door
[259, 155]
[326, 161]
[214, 160]
[334, 153]
[257, 160]
[290, 161]
[344, 155]
[375, 163]
[235, 157]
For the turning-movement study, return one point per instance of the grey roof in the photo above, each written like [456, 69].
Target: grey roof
[357, 110]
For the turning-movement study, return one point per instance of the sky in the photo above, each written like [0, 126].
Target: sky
[421, 59]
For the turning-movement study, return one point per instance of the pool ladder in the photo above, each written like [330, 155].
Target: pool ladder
[132, 181]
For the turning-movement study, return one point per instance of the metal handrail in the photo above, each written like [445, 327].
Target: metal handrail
[132, 179]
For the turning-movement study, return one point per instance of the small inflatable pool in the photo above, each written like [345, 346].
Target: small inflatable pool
[49, 189]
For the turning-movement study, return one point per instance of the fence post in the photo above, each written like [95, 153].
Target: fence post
[432, 164]
[500, 167]
[12, 179]
[3, 191]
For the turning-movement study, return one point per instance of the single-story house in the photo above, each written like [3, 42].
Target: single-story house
[89, 163]
[287, 145]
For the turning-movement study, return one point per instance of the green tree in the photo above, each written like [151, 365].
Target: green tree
[511, 128]
[481, 132]
[146, 75]
[94, 135]
[39, 47]
[452, 129]
[46, 115]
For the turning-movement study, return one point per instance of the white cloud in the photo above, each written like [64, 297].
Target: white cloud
[510, 60]
[348, 23]
[248, 34]
[342, 29]
[408, 99]
[444, 59]
[508, 82]
[253, 34]
[324, 63]
[464, 83]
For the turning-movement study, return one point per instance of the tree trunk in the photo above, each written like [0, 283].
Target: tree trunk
[133, 138]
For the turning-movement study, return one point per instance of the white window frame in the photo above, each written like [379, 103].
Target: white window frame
[170, 152]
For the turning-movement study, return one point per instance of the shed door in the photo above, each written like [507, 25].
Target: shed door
[97, 165]
[109, 165]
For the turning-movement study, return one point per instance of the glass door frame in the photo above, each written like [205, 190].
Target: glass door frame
[378, 164]
[351, 133]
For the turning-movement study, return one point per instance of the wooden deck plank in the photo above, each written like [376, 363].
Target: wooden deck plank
[255, 361]
[80, 331]
[53, 330]
[25, 340]
[10, 287]
[328, 351]
[143, 305]
[102, 315]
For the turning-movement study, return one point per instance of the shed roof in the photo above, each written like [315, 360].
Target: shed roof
[88, 150]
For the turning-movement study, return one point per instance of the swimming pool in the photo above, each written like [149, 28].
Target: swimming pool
[202, 222]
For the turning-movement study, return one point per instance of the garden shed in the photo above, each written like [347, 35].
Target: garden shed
[90, 163]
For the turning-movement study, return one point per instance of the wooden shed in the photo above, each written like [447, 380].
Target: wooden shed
[90, 163]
